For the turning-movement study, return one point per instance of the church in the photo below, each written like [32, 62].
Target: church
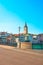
[24, 41]
[25, 28]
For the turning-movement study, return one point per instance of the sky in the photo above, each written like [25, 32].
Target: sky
[14, 13]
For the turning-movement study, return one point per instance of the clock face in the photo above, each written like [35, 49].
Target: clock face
[25, 28]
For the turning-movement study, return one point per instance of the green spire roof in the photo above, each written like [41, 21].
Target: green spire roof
[25, 24]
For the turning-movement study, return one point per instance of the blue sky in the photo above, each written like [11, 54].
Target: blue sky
[14, 13]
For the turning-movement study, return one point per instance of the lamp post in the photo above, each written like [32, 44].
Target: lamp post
[19, 33]
[19, 37]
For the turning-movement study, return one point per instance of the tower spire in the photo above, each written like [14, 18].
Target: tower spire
[25, 24]
[25, 28]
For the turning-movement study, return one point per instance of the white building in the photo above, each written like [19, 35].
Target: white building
[35, 39]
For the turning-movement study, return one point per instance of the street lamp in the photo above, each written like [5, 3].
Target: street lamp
[19, 33]
[19, 37]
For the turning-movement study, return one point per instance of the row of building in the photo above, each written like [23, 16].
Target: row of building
[13, 39]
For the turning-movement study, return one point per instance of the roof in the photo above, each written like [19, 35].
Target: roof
[40, 34]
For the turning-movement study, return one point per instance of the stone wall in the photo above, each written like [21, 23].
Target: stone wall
[26, 45]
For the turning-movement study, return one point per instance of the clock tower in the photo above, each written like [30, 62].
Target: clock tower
[25, 28]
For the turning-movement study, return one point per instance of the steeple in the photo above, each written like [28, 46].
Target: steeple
[25, 24]
[25, 28]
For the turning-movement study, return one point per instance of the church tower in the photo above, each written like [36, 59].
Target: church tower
[25, 28]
